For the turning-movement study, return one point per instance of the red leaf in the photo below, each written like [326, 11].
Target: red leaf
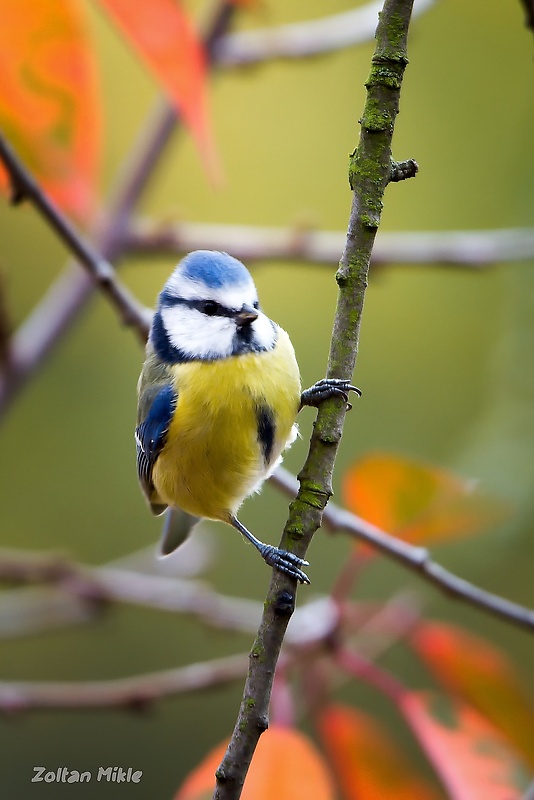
[480, 674]
[50, 104]
[162, 33]
[286, 766]
[418, 502]
[471, 757]
[366, 762]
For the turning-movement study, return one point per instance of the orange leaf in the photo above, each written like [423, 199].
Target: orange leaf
[368, 765]
[164, 36]
[416, 501]
[286, 766]
[49, 103]
[479, 673]
[471, 757]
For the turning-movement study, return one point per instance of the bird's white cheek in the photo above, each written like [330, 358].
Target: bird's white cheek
[264, 332]
[196, 335]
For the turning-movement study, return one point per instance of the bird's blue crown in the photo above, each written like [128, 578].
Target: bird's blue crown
[214, 269]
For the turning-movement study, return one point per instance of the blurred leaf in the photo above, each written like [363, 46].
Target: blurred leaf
[285, 766]
[367, 763]
[418, 502]
[480, 674]
[470, 756]
[50, 102]
[164, 36]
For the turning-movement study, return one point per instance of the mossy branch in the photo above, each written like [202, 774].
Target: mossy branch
[370, 170]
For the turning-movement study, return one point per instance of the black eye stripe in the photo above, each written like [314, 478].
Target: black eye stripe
[208, 307]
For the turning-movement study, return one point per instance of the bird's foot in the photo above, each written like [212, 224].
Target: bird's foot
[327, 388]
[284, 561]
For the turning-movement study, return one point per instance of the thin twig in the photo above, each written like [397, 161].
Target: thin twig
[369, 173]
[45, 326]
[251, 243]
[305, 39]
[89, 590]
[136, 692]
[25, 187]
[359, 667]
[418, 559]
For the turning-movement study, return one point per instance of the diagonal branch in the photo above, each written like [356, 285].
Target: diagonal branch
[418, 559]
[44, 328]
[25, 187]
[369, 173]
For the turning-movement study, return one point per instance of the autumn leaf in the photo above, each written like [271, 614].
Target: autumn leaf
[471, 757]
[162, 33]
[286, 766]
[416, 501]
[366, 762]
[50, 102]
[477, 672]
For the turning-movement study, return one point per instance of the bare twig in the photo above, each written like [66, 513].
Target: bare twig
[88, 590]
[402, 170]
[363, 669]
[59, 308]
[136, 692]
[25, 187]
[418, 559]
[304, 243]
[304, 39]
[369, 174]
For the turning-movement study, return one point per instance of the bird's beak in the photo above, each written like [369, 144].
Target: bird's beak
[246, 315]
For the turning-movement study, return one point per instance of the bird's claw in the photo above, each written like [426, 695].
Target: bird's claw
[285, 561]
[327, 388]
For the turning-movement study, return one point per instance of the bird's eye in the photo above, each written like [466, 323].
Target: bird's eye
[210, 308]
[256, 305]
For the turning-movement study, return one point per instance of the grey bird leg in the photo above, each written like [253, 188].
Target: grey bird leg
[280, 559]
[325, 389]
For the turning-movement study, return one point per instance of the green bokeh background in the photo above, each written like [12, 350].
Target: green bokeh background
[446, 365]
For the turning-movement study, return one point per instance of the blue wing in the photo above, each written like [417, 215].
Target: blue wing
[150, 437]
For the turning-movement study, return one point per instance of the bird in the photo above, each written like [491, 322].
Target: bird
[218, 397]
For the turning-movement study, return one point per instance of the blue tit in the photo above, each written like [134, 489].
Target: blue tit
[217, 398]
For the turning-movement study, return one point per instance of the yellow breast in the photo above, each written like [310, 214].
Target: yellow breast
[214, 457]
